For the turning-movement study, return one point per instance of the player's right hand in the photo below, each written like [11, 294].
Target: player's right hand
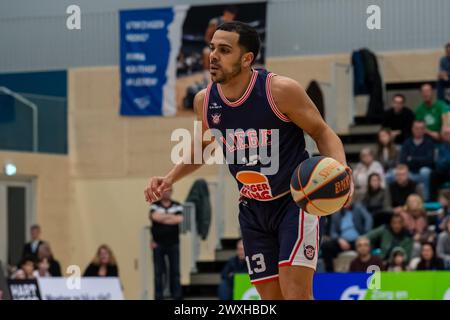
[155, 187]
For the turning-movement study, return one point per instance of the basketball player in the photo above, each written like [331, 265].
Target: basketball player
[280, 240]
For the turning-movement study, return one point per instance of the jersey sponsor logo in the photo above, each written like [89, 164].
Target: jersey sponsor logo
[256, 185]
[214, 106]
[309, 252]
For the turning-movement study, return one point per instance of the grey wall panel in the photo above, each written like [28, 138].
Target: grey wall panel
[332, 26]
[33, 34]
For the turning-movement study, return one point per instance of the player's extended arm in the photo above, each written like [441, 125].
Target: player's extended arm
[293, 101]
[157, 185]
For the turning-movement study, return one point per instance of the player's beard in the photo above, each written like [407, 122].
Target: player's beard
[223, 78]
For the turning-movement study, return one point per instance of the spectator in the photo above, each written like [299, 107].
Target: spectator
[401, 188]
[166, 215]
[418, 153]
[364, 168]
[444, 213]
[399, 119]
[397, 260]
[433, 113]
[26, 268]
[442, 172]
[443, 245]
[365, 258]
[416, 222]
[443, 82]
[234, 265]
[345, 227]
[387, 237]
[32, 247]
[104, 264]
[387, 153]
[46, 252]
[42, 269]
[413, 214]
[429, 260]
[19, 274]
[376, 200]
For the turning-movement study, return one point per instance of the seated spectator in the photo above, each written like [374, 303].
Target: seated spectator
[416, 222]
[46, 252]
[375, 200]
[442, 172]
[31, 248]
[387, 237]
[413, 214]
[418, 154]
[443, 245]
[345, 227]
[19, 274]
[399, 119]
[364, 168]
[103, 265]
[234, 265]
[42, 269]
[429, 260]
[365, 259]
[397, 260]
[387, 153]
[444, 213]
[26, 268]
[432, 112]
[399, 190]
[443, 82]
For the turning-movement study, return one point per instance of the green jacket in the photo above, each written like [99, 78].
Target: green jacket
[384, 239]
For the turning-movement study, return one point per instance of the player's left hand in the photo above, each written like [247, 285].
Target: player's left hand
[348, 203]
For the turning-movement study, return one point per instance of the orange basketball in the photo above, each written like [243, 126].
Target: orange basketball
[320, 185]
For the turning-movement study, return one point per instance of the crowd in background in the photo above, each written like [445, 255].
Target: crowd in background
[400, 216]
[38, 261]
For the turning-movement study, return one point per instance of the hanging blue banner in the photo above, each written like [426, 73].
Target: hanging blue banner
[149, 42]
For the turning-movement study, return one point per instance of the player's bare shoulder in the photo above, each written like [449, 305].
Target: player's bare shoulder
[198, 103]
[285, 91]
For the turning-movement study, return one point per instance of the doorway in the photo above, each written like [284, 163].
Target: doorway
[16, 217]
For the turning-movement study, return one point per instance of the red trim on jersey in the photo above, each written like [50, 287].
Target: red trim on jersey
[205, 105]
[272, 104]
[265, 279]
[244, 97]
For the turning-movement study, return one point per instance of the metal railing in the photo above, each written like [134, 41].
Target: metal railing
[34, 111]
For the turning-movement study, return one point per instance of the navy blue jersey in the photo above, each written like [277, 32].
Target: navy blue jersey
[250, 130]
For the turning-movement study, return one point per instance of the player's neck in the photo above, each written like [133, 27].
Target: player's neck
[235, 88]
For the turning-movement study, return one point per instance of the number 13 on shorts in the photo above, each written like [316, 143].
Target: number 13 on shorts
[258, 263]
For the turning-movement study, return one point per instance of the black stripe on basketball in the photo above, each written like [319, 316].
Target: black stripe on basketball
[334, 188]
[307, 169]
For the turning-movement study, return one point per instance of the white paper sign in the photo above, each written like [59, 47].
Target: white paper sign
[89, 289]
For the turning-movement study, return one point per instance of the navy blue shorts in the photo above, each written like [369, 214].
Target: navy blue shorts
[277, 233]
